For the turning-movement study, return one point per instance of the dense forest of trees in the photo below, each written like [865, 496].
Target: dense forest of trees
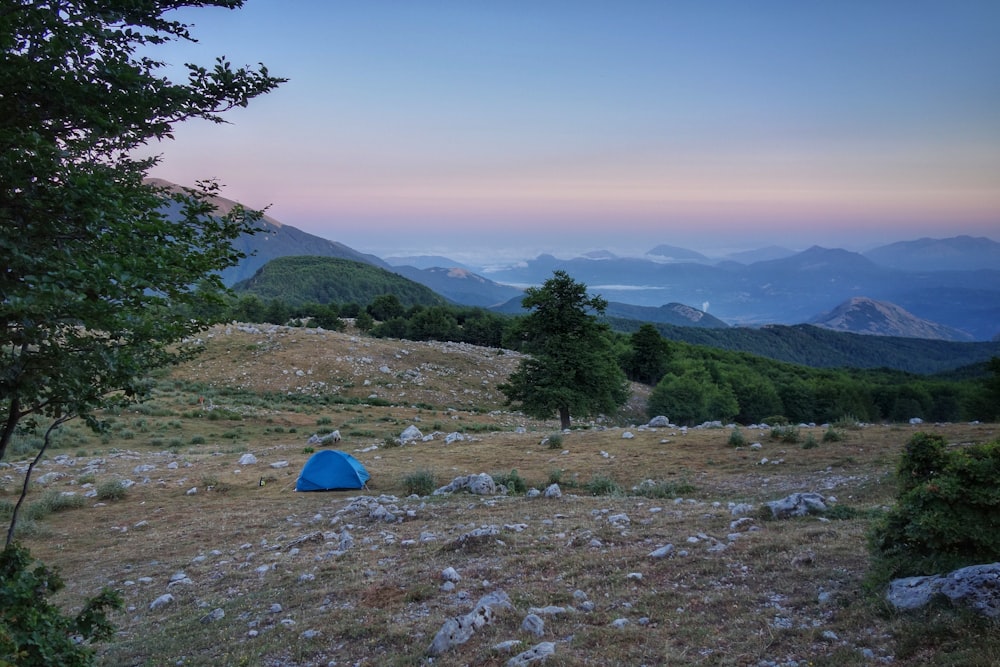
[692, 383]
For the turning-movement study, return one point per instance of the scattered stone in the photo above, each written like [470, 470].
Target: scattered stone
[797, 504]
[659, 422]
[534, 654]
[280, 464]
[662, 552]
[409, 434]
[627, 435]
[533, 624]
[552, 491]
[480, 485]
[325, 439]
[215, 615]
[449, 574]
[248, 459]
[161, 601]
[460, 629]
[476, 537]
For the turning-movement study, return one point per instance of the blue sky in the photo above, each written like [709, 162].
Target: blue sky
[519, 127]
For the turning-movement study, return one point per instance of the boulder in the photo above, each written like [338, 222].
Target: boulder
[460, 629]
[325, 439]
[539, 652]
[480, 485]
[659, 422]
[797, 504]
[411, 432]
[976, 587]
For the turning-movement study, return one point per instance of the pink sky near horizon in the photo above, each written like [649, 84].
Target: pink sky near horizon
[707, 125]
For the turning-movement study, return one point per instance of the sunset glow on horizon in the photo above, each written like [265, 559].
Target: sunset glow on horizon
[709, 125]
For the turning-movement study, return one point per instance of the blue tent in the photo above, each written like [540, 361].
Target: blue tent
[330, 470]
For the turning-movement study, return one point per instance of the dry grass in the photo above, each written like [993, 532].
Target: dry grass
[791, 592]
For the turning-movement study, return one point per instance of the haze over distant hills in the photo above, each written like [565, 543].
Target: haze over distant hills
[952, 284]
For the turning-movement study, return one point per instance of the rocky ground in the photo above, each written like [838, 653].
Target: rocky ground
[656, 546]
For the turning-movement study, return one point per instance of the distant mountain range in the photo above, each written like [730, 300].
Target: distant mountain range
[948, 287]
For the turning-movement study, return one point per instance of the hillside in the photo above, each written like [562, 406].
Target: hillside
[220, 562]
[297, 280]
[816, 347]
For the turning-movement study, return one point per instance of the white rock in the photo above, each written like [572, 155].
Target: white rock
[161, 601]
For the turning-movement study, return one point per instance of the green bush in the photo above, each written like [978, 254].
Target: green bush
[420, 483]
[737, 439]
[810, 442]
[111, 490]
[789, 434]
[651, 489]
[947, 514]
[832, 435]
[513, 481]
[35, 633]
[601, 485]
[52, 502]
[555, 441]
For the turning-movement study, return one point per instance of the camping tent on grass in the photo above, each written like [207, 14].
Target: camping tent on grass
[330, 470]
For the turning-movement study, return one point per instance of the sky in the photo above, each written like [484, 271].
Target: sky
[507, 128]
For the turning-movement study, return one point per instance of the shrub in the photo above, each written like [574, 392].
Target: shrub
[651, 489]
[513, 481]
[832, 435]
[420, 483]
[947, 513]
[601, 485]
[198, 440]
[555, 441]
[35, 633]
[52, 502]
[111, 490]
[810, 442]
[737, 439]
[775, 420]
[788, 434]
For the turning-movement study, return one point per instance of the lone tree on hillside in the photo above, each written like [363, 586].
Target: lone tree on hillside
[572, 367]
[100, 268]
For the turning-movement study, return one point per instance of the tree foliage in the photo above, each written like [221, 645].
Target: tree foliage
[96, 274]
[34, 632]
[572, 367]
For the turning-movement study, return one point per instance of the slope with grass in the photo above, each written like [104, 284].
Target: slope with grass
[273, 577]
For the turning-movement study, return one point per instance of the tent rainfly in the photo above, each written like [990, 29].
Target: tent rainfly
[332, 470]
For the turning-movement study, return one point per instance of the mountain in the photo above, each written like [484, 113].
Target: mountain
[880, 318]
[675, 254]
[300, 279]
[424, 262]
[959, 253]
[788, 290]
[676, 314]
[624, 315]
[760, 254]
[275, 240]
[461, 285]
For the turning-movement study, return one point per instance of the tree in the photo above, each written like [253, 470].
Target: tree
[384, 307]
[649, 357]
[571, 368]
[101, 268]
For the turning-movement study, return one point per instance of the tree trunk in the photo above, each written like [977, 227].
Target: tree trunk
[564, 418]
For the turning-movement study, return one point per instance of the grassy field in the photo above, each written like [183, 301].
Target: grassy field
[263, 575]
